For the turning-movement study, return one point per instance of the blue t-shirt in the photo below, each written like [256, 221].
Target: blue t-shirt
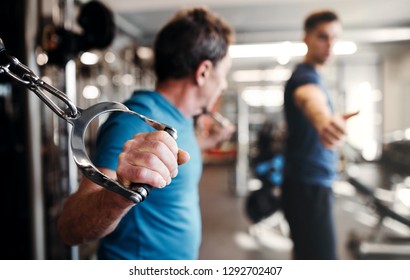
[167, 225]
[307, 160]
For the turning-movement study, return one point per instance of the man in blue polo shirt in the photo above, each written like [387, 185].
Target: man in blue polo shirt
[191, 64]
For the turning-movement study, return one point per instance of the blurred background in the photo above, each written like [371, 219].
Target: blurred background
[97, 52]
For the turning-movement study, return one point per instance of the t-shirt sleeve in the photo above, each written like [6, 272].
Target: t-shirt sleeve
[306, 78]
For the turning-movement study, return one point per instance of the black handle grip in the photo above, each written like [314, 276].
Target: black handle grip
[142, 190]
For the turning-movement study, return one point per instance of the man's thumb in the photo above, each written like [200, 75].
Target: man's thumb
[183, 156]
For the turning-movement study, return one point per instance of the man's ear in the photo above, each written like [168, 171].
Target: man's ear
[304, 39]
[202, 72]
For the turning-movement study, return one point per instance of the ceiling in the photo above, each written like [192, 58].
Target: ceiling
[375, 26]
[256, 21]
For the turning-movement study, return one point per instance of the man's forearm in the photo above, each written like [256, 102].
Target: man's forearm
[90, 216]
[317, 112]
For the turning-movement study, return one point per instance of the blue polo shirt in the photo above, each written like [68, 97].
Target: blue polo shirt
[167, 225]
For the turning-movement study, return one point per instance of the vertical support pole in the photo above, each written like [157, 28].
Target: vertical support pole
[71, 91]
[242, 162]
[34, 142]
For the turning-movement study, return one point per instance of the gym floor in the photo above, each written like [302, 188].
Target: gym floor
[229, 234]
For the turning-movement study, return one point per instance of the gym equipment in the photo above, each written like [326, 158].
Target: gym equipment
[262, 203]
[265, 201]
[79, 119]
[98, 31]
[378, 183]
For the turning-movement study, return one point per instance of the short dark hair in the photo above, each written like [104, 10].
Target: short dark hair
[318, 17]
[190, 37]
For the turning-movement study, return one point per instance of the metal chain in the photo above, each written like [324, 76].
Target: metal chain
[38, 86]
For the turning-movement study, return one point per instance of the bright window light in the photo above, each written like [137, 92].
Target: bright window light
[407, 133]
[362, 129]
[370, 150]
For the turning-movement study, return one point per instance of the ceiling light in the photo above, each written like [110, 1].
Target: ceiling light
[89, 58]
[274, 75]
[283, 60]
[109, 57]
[128, 79]
[344, 48]
[145, 53]
[285, 50]
[102, 80]
[268, 50]
[42, 59]
[91, 92]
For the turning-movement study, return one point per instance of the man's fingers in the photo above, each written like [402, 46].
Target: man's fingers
[149, 156]
[138, 167]
[183, 157]
[334, 130]
[333, 133]
[129, 173]
[349, 115]
[163, 137]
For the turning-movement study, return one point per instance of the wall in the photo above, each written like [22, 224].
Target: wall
[396, 77]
